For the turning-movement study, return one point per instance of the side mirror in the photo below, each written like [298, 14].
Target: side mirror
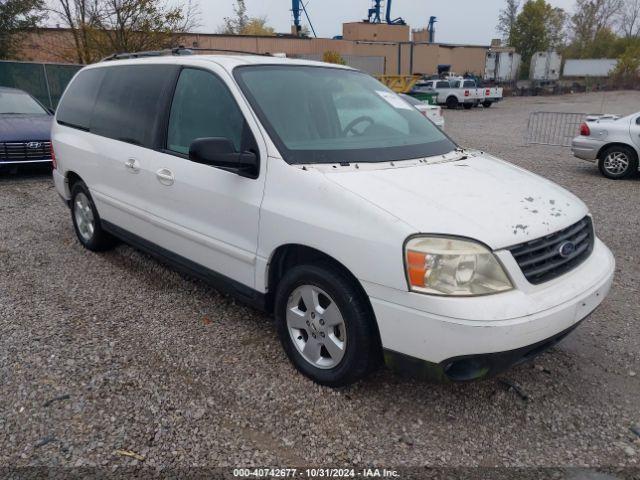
[220, 153]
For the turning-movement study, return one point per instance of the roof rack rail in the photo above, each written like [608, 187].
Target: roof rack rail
[181, 50]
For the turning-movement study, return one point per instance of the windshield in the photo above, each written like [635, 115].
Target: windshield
[330, 115]
[19, 102]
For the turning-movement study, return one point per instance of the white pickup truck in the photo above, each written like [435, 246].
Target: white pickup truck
[461, 91]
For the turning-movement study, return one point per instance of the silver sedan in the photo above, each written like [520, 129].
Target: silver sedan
[612, 142]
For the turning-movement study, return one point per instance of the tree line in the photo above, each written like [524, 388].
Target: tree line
[595, 29]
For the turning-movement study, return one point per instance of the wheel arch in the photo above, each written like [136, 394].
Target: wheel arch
[290, 255]
[616, 144]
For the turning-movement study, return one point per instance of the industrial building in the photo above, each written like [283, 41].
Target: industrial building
[378, 48]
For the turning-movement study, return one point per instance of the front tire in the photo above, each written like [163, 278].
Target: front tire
[86, 221]
[452, 103]
[618, 162]
[326, 325]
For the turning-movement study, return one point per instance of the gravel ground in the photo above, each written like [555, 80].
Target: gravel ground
[102, 352]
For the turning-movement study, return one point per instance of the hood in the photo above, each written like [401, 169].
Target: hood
[479, 197]
[20, 128]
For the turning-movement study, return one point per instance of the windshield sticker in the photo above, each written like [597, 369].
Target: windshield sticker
[394, 100]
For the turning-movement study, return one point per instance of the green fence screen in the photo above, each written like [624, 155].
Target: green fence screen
[45, 81]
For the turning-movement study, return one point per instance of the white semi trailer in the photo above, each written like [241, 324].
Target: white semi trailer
[501, 66]
[545, 66]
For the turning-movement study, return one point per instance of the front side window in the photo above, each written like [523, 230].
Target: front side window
[15, 101]
[203, 107]
[444, 85]
[331, 115]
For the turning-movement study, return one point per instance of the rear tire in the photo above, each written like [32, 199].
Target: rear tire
[618, 162]
[486, 104]
[452, 103]
[326, 325]
[86, 221]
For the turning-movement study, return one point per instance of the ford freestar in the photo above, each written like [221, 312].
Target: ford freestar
[318, 194]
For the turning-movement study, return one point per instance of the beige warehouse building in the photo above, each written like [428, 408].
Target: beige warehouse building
[378, 48]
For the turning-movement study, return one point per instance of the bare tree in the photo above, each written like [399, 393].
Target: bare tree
[592, 17]
[102, 27]
[79, 17]
[629, 19]
[238, 23]
[137, 25]
[507, 20]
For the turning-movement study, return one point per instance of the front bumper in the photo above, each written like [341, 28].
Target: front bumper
[443, 330]
[586, 148]
[471, 367]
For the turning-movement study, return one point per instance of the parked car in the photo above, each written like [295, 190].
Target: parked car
[319, 195]
[612, 142]
[25, 126]
[432, 112]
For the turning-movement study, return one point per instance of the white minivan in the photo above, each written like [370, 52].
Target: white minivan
[316, 193]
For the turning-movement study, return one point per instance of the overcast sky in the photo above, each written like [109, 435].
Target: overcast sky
[459, 21]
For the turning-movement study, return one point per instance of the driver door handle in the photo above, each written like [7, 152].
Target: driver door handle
[165, 176]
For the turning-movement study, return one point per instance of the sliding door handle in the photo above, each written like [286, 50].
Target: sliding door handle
[165, 176]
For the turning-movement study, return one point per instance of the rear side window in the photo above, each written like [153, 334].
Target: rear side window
[76, 106]
[130, 101]
[203, 107]
[469, 84]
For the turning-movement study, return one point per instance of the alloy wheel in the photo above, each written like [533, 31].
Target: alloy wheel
[84, 216]
[316, 326]
[616, 163]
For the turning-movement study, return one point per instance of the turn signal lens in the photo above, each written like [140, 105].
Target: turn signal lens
[416, 268]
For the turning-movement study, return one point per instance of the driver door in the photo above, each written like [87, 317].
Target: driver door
[202, 213]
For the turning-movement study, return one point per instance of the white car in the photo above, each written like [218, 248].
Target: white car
[612, 142]
[432, 112]
[318, 194]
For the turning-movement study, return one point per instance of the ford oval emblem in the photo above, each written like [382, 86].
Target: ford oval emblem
[34, 145]
[566, 249]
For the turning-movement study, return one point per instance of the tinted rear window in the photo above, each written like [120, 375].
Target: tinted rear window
[77, 103]
[130, 100]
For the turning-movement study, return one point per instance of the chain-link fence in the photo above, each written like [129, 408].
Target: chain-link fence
[553, 128]
[45, 81]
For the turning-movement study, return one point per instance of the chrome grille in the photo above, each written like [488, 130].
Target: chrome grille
[540, 260]
[25, 151]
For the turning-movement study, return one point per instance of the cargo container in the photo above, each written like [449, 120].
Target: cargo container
[589, 67]
[501, 66]
[545, 66]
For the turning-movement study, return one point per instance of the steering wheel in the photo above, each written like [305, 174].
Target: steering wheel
[356, 121]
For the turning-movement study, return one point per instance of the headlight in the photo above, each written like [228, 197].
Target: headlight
[449, 266]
